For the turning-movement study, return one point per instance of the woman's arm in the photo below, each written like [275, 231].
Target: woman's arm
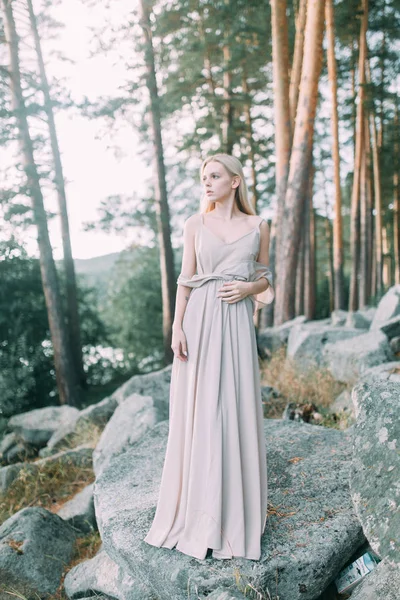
[188, 269]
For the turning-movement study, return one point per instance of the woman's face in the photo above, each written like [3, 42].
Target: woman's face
[218, 184]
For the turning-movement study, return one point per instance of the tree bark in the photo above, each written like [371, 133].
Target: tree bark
[300, 161]
[249, 134]
[338, 283]
[396, 199]
[363, 265]
[72, 300]
[67, 383]
[309, 252]
[355, 197]
[227, 109]
[295, 73]
[168, 282]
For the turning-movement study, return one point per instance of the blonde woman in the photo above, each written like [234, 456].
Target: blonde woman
[213, 492]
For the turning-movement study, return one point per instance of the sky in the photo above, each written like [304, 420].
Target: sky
[91, 168]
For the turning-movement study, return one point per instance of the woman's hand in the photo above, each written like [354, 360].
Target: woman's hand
[233, 291]
[179, 344]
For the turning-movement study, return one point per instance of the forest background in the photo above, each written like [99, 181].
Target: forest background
[107, 111]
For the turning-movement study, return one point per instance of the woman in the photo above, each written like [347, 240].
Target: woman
[213, 492]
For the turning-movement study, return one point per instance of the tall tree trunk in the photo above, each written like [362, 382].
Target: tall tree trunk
[65, 374]
[377, 196]
[337, 223]
[396, 198]
[329, 247]
[280, 60]
[369, 196]
[227, 109]
[355, 196]
[300, 161]
[295, 73]
[168, 283]
[363, 266]
[72, 300]
[299, 303]
[309, 252]
[249, 134]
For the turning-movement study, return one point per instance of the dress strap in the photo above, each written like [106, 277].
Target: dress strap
[260, 221]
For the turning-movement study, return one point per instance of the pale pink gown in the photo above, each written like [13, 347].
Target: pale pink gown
[213, 491]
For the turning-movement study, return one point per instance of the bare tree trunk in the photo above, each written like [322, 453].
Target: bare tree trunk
[227, 110]
[168, 283]
[369, 195]
[309, 252]
[280, 56]
[338, 282]
[355, 197]
[378, 198]
[72, 300]
[299, 303]
[299, 161]
[249, 134]
[67, 384]
[363, 267]
[295, 74]
[396, 198]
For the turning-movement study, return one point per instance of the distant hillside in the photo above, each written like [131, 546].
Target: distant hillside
[96, 271]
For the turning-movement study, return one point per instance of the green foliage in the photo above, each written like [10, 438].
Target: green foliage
[133, 310]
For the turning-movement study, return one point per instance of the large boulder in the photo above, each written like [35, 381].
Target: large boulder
[80, 456]
[79, 512]
[306, 342]
[311, 531]
[35, 546]
[273, 338]
[133, 417]
[389, 371]
[94, 415]
[101, 575]
[348, 359]
[155, 384]
[388, 307]
[37, 426]
[383, 583]
[375, 469]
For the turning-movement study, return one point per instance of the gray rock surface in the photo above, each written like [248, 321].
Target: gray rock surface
[133, 417]
[273, 338]
[37, 426]
[155, 384]
[96, 414]
[338, 318]
[311, 531]
[343, 403]
[81, 456]
[306, 342]
[389, 371]
[101, 575]
[79, 512]
[348, 359]
[374, 480]
[358, 320]
[391, 327]
[35, 546]
[388, 307]
[383, 583]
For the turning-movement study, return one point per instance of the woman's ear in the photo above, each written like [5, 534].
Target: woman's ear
[236, 181]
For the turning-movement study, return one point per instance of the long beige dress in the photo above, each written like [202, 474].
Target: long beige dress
[213, 491]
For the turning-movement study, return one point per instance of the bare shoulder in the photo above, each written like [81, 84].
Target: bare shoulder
[191, 224]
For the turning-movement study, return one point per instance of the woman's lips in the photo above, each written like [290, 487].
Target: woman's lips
[209, 192]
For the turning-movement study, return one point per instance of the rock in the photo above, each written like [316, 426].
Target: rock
[306, 342]
[155, 384]
[37, 426]
[273, 338]
[221, 594]
[79, 456]
[374, 478]
[311, 531]
[383, 583]
[395, 344]
[388, 307]
[101, 575]
[79, 512]
[338, 318]
[129, 422]
[389, 371]
[35, 546]
[358, 320]
[96, 414]
[391, 327]
[348, 359]
[343, 403]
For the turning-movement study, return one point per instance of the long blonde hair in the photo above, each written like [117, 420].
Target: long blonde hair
[234, 167]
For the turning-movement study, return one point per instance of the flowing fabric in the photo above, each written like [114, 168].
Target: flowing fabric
[213, 491]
